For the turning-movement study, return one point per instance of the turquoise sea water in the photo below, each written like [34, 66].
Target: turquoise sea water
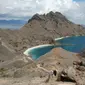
[75, 44]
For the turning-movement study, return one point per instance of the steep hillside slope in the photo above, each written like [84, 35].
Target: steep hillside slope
[5, 53]
[40, 29]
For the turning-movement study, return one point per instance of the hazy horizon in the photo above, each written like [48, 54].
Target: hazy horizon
[23, 10]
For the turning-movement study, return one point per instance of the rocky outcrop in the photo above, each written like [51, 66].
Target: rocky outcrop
[62, 62]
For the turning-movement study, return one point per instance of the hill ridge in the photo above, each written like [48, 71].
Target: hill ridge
[40, 29]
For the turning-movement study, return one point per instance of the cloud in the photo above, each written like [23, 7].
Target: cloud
[21, 9]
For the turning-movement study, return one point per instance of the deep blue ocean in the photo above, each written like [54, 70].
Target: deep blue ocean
[75, 44]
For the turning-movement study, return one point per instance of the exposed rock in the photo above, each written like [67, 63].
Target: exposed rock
[63, 62]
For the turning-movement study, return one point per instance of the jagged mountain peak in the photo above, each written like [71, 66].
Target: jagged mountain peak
[37, 17]
[50, 15]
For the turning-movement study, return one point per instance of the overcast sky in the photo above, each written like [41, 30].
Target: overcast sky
[23, 9]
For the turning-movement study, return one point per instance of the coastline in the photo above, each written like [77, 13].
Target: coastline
[40, 46]
[61, 38]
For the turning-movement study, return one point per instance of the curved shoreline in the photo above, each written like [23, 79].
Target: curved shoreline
[40, 46]
[61, 38]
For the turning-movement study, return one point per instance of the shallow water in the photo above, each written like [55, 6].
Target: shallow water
[73, 44]
[36, 53]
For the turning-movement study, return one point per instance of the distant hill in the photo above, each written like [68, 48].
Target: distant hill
[13, 24]
[12, 21]
[39, 30]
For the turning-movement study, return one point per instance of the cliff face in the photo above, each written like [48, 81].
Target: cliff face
[39, 29]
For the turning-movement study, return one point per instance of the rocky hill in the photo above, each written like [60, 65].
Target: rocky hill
[40, 29]
[18, 69]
